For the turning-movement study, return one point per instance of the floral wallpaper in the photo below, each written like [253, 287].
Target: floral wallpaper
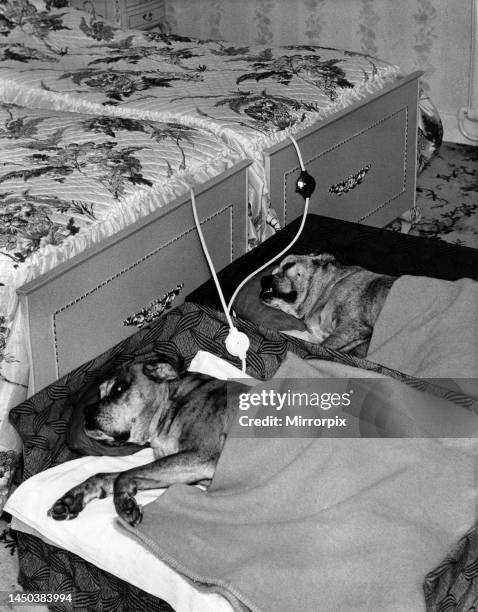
[429, 35]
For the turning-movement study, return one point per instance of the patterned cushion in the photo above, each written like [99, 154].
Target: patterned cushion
[453, 585]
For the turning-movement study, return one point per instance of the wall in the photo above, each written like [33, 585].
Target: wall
[431, 35]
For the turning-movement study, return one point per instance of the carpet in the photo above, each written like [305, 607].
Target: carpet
[447, 196]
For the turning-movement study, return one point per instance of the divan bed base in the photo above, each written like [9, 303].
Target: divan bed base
[77, 310]
[363, 159]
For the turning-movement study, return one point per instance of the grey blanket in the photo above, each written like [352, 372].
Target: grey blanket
[330, 523]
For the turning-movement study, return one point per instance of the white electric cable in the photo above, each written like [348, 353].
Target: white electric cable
[237, 343]
[209, 261]
[289, 246]
[299, 154]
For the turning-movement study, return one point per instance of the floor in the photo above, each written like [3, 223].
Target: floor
[447, 198]
[8, 569]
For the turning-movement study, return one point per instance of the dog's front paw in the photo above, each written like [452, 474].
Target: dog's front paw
[73, 501]
[68, 506]
[125, 503]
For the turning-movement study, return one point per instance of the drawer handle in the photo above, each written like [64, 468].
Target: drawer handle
[148, 16]
[351, 182]
[153, 310]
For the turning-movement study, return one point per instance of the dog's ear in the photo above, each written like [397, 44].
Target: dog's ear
[159, 371]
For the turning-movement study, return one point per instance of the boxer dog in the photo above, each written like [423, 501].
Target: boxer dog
[183, 416]
[338, 304]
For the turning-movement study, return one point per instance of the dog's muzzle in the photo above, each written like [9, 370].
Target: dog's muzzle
[271, 290]
[94, 430]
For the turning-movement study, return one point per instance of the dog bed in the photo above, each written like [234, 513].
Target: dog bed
[94, 535]
[43, 420]
[379, 250]
[181, 331]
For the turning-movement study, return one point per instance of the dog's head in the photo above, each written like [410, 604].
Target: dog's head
[288, 288]
[128, 402]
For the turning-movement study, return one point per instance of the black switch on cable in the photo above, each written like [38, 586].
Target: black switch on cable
[305, 184]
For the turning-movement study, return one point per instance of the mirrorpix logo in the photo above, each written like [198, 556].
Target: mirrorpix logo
[286, 411]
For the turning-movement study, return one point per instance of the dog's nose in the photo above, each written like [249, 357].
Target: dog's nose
[267, 286]
[121, 436]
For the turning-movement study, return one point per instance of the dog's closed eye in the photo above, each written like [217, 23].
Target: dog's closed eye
[288, 266]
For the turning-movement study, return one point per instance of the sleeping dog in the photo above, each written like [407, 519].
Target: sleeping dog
[183, 416]
[338, 304]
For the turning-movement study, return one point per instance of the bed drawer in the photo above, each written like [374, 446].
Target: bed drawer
[363, 160]
[146, 17]
[77, 311]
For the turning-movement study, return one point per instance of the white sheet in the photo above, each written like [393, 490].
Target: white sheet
[94, 536]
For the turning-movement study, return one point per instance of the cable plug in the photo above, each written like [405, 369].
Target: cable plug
[237, 344]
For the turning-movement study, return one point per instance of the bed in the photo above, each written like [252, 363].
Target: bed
[354, 116]
[400, 498]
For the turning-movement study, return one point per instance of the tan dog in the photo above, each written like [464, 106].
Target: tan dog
[182, 415]
[338, 304]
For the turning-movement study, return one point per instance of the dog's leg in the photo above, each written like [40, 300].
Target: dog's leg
[341, 339]
[74, 500]
[305, 335]
[346, 338]
[186, 467]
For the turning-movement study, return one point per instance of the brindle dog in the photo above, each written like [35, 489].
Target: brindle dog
[183, 416]
[338, 304]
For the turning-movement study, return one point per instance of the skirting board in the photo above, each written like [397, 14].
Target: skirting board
[452, 132]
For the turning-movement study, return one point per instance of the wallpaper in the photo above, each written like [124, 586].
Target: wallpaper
[430, 35]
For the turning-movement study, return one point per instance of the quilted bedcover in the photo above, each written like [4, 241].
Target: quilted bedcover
[250, 96]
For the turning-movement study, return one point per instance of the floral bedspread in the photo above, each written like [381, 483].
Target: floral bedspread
[251, 96]
[64, 177]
